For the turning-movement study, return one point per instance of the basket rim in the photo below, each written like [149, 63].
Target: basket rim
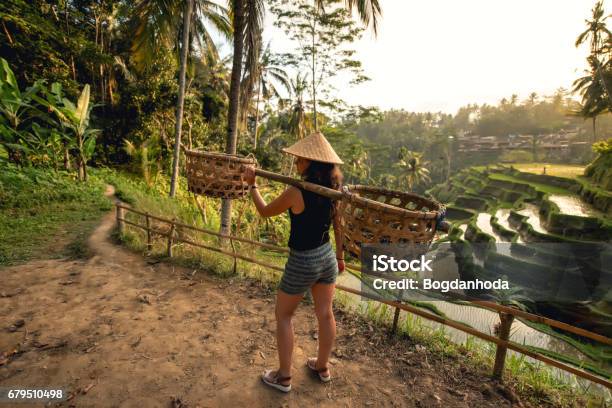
[388, 208]
[221, 156]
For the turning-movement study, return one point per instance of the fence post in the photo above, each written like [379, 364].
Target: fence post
[149, 243]
[171, 238]
[505, 324]
[395, 321]
[235, 271]
[120, 217]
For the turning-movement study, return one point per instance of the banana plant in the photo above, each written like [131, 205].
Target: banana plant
[44, 145]
[15, 110]
[147, 155]
[75, 119]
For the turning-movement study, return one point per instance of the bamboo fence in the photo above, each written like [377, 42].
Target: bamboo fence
[507, 314]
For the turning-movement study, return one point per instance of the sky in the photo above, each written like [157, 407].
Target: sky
[439, 55]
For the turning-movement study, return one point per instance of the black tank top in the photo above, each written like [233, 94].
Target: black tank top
[310, 228]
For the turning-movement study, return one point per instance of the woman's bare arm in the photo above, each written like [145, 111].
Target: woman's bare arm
[288, 199]
[339, 237]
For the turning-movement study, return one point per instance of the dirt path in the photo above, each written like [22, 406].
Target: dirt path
[116, 330]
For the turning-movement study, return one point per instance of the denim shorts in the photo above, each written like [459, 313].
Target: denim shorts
[305, 268]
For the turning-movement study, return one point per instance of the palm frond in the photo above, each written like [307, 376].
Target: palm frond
[369, 11]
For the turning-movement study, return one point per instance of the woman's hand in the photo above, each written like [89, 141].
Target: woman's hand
[341, 266]
[249, 175]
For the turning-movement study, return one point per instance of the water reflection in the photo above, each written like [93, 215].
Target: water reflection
[572, 205]
[462, 227]
[502, 216]
[532, 213]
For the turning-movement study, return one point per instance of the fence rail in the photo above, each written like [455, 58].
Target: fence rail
[506, 313]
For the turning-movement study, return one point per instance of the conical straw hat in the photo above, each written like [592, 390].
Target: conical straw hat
[314, 147]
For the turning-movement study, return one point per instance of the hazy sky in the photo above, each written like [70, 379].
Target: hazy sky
[442, 54]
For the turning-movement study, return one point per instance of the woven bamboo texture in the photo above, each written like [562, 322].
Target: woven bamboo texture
[373, 215]
[217, 174]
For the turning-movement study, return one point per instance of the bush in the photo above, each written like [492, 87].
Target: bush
[600, 170]
[29, 187]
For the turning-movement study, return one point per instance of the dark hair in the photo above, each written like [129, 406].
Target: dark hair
[327, 175]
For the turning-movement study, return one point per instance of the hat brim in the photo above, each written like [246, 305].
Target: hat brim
[305, 156]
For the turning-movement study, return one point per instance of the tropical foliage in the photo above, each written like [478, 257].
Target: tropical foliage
[40, 124]
[600, 170]
[156, 85]
[595, 86]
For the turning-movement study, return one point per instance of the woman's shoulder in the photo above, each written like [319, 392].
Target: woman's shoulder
[294, 194]
[293, 191]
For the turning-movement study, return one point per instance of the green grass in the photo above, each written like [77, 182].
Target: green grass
[538, 186]
[552, 169]
[46, 214]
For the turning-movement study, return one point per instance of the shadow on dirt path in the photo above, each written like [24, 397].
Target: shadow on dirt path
[118, 331]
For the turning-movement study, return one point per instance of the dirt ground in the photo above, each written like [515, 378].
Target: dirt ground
[117, 330]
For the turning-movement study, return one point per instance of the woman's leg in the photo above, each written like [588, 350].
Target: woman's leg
[285, 308]
[323, 294]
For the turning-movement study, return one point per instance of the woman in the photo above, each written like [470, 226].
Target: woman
[312, 263]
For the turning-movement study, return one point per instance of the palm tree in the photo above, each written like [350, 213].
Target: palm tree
[299, 124]
[357, 162]
[369, 11]
[593, 94]
[596, 31]
[594, 87]
[412, 168]
[267, 78]
[533, 98]
[211, 71]
[247, 19]
[176, 25]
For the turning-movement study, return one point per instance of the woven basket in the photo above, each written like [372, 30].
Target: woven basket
[373, 215]
[217, 174]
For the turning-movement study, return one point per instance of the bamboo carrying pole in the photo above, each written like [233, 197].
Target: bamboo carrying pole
[456, 325]
[315, 188]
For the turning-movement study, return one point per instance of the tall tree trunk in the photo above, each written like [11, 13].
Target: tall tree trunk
[80, 161]
[66, 158]
[81, 171]
[257, 115]
[181, 97]
[84, 162]
[314, 71]
[594, 129]
[232, 115]
[68, 34]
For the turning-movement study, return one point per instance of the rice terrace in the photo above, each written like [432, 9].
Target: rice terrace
[264, 203]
